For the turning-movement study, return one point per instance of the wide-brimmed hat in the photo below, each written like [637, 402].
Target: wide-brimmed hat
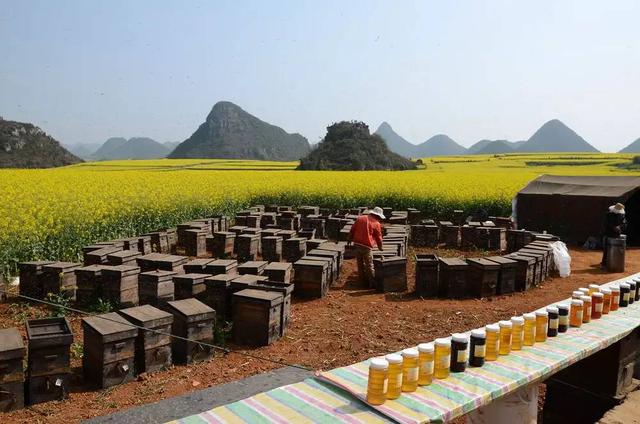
[617, 208]
[377, 211]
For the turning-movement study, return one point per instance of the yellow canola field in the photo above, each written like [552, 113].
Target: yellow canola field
[51, 214]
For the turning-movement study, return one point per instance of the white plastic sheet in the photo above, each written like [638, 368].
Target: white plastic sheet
[561, 258]
[520, 407]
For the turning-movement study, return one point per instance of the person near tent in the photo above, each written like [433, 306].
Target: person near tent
[614, 226]
[365, 234]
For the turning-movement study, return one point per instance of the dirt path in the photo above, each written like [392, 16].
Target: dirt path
[347, 326]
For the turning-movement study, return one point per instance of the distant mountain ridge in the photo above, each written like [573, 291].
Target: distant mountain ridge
[23, 145]
[555, 136]
[438, 145]
[634, 147]
[395, 142]
[229, 132]
[118, 148]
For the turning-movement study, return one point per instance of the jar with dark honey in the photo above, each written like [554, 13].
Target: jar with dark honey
[625, 290]
[554, 321]
[597, 299]
[637, 281]
[459, 345]
[632, 292]
[477, 348]
[563, 317]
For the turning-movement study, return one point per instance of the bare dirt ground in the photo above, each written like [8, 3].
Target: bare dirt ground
[349, 325]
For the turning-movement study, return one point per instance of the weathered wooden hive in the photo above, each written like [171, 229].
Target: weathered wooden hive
[450, 236]
[310, 278]
[156, 288]
[195, 243]
[453, 278]
[195, 321]
[272, 248]
[327, 260]
[538, 276]
[197, 266]
[189, 285]
[257, 317]
[31, 278]
[48, 362]
[149, 262]
[12, 354]
[218, 295]
[252, 267]
[507, 274]
[152, 348]
[427, 275]
[159, 241]
[109, 350]
[60, 278]
[222, 244]
[119, 284]
[278, 271]
[294, 248]
[123, 257]
[99, 256]
[391, 274]
[525, 271]
[247, 247]
[334, 255]
[482, 278]
[222, 266]
[172, 263]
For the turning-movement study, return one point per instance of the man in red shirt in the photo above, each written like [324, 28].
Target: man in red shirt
[365, 234]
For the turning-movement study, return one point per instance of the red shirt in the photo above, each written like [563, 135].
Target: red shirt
[366, 231]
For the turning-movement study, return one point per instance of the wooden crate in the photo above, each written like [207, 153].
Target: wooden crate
[285, 289]
[152, 349]
[252, 267]
[427, 275]
[88, 284]
[538, 276]
[218, 295]
[195, 243]
[313, 243]
[12, 354]
[272, 248]
[119, 284]
[195, 321]
[159, 241]
[99, 256]
[307, 233]
[222, 244]
[247, 247]
[189, 285]
[149, 262]
[335, 247]
[547, 257]
[310, 278]
[469, 237]
[330, 265]
[257, 317]
[245, 281]
[525, 271]
[156, 288]
[391, 274]
[60, 278]
[144, 244]
[279, 271]
[294, 248]
[196, 266]
[253, 220]
[308, 210]
[123, 257]
[191, 225]
[172, 263]
[31, 278]
[450, 236]
[453, 278]
[335, 256]
[109, 350]
[237, 230]
[482, 278]
[507, 274]
[424, 235]
[222, 266]
[286, 234]
[49, 357]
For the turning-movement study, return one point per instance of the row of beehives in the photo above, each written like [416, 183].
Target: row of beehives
[456, 278]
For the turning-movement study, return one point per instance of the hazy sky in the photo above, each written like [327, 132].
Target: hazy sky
[88, 70]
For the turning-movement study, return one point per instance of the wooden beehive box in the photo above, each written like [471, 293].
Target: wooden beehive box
[391, 274]
[197, 266]
[172, 263]
[88, 284]
[12, 354]
[218, 295]
[450, 236]
[123, 257]
[253, 220]
[335, 247]
[328, 254]
[547, 257]
[222, 266]
[222, 244]
[427, 275]
[237, 230]
[307, 233]
[308, 210]
[152, 348]
[149, 262]
[31, 278]
[525, 271]
[314, 243]
[257, 317]
[272, 248]
[119, 284]
[286, 223]
[294, 248]
[269, 232]
[286, 234]
[279, 271]
[159, 242]
[191, 225]
[48, 362]
[247, 246]
[328, 261]
[538, 276]
[482, 278]
[496, 238]
[268, 218]
[156, 288]
[189, 285]
[252, 267]
[195, 243]
[99, 256]
[286, 290]
[60, 278]
[507, 274]
[109, 350]
[246, 281]
[453, 278]
[468, 237]
[195, 321]
[310, 278]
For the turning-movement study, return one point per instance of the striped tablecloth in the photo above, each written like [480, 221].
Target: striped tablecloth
[310, 401]
[461, 393]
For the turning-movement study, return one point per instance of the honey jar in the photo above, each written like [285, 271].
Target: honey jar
[459, 345]
[575, 315]
[442, 358]
[542, 323]
[529, 329]
[624, 294]
[493, 334]
[477, 349]
[606, 300]
[563, 317]
[593, 288]
[394, 376]
[410, 370]
[377, 383]
[506, 329]
[554, 321]
[632, 292]
[615, 297]
[517, 333]
[586, 313]
[597, 299]
[425, 359]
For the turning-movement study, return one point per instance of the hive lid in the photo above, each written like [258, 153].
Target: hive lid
[277, 286]
[249, 236]
[11, 344]
[195, 277]
[198, 262]
[501, 260]
[174, 259]
[90, 269]
[147, 316]
[125, 254]
[249, 279]
[191, 310]
[158, 275]
[263, 296]
[48, 332]
[224, 233]
[278, 266]
[152, 257]
[253, 264]
[34, 264]
[391, 260]
[296, 240]
[305, 262]
[220, 280]
[485, 263]
[336, 247]
[110, 326]
[521, 258]
[120, 269]
[453, 262]
[224, 263]
[426, 257]
[104, 251]
[62, 266]
[321, 252]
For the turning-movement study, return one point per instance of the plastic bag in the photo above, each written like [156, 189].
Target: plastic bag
[561, 258]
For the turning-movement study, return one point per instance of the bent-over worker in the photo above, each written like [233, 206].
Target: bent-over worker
[365, 234]
[614, 226]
